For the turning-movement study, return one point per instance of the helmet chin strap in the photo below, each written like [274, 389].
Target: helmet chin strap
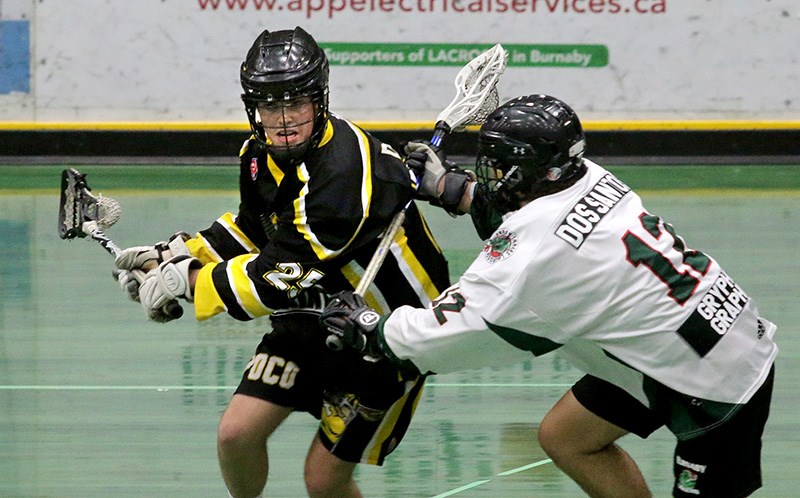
[290, 156]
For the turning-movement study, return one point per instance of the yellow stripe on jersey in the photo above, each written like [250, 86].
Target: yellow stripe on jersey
[372, 454]
[245, 146]
[243, 286]
[327, 135]
[301, 220]
[274, 170]
[415, 273]
[353, 273]
[202, 250]
[430, 236]
[207, 302]
[366, 177]
[227, 221]
[373, 297]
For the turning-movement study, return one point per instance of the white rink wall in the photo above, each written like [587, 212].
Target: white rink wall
[178, 60]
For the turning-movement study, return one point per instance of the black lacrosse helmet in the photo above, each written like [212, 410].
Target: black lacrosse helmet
[281, 66]
[527, 145]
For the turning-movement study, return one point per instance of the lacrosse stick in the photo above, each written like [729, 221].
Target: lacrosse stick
[81, 214]
[476, 97]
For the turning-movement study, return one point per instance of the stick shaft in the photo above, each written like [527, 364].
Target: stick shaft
[92, 230]
[441, 130]
[380, 253]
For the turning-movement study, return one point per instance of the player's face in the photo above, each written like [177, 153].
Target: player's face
[288, 123]
[489, 172]
[497, 184]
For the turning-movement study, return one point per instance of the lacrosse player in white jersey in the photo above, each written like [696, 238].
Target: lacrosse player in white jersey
[575, 263]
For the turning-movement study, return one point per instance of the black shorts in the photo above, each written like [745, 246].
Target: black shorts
[615, 405]
[364, 408]
[723, 462]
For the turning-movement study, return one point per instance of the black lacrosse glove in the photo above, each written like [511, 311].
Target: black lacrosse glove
[351, 325]
[313, 298]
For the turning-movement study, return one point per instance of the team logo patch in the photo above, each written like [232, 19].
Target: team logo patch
[337, 412]
[687, 482]
[254, 168]
[689, 476]
[500, 246]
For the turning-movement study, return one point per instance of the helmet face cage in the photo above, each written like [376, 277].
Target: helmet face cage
[506, 166]
[288, 119]
[283, 68]
[525, 147]
[493, 178]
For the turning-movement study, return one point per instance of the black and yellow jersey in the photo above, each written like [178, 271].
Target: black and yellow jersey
[317, 223]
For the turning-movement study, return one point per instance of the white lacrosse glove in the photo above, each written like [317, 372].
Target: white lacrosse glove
[164, 285]
[144, 259]
[431, 167]
[428, 167]
[128, 282]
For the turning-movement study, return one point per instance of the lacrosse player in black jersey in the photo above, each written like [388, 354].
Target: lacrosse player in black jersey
[316, 194]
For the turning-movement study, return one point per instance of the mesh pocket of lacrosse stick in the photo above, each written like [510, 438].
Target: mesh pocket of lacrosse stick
[79, 207]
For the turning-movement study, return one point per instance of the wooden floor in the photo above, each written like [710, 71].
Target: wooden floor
[97, 402]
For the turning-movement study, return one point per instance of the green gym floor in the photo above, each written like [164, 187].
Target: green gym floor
[97, 402]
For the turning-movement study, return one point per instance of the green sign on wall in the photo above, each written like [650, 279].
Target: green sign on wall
[458, 54]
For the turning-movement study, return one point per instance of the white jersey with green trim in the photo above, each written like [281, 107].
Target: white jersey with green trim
[590, 272]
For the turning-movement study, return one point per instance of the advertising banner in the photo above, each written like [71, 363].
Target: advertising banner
[394, 60]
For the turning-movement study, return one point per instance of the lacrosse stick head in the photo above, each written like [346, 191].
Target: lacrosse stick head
[476, 90]
[79, 209]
